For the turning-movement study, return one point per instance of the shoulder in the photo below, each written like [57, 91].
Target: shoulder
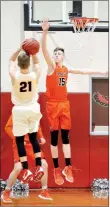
[65, 67]
[33, 74]
[18, 75]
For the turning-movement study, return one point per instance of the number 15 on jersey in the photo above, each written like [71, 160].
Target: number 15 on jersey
[62, 81]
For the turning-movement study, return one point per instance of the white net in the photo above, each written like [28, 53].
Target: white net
[84, 24]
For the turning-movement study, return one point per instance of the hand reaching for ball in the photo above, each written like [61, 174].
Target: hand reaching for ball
[45, 25]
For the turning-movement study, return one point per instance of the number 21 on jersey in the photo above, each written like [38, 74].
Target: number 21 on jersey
[26, 86]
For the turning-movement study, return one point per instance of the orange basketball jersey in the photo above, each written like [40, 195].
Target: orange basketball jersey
[56, 89]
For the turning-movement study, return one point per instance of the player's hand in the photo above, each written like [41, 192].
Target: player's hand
[42, 141]
[19, 49]
[45, 25]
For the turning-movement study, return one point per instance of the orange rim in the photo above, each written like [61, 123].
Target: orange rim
[81, 21]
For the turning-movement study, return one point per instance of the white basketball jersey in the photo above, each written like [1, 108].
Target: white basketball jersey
[24, 90]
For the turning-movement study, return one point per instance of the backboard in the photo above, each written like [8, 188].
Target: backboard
[59, 13]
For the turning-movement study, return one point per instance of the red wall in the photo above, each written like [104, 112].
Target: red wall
[99, 152]
[90, 154]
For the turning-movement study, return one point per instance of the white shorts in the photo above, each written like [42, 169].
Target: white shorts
[26, 119]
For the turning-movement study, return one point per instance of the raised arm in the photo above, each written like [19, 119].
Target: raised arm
[48, 59]
[36, 66]
[12, 65]
[88, 72]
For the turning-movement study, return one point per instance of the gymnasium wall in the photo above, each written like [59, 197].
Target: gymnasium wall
[89, 153]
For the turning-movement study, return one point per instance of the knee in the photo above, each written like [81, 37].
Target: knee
[18, 168]
[34, 142]
[65, 136]
[54, 138]
[44, 164]
[19, 140]
[33, 137]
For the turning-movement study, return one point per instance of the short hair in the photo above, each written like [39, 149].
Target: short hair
[59, 48]
[23, 60]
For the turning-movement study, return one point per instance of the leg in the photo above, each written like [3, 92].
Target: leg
[44, 182]
[67, 172]
[44, 179]
[65, 122]
[54, 148]
[22, 151]
[25, 120]
[37, 153]
[54, 151]
[27, 174]
[53, 119]
[36, 147]
[34, 120]
[13, 175]
[11, 180]
[66, 146]
[20, 129]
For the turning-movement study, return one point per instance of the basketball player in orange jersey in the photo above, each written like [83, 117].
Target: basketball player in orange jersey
[26, 111]
[18, 167]
[57, 106]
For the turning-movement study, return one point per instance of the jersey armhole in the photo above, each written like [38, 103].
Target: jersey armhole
[49, 73]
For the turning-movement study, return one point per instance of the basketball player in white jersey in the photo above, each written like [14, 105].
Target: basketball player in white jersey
[26, 111]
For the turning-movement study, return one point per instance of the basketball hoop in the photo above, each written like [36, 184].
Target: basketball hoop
[84, 24]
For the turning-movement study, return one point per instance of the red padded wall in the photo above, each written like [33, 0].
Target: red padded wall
[88, 153]
[6, 142]
[99, 157]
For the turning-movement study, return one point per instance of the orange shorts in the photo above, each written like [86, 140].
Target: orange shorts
[29, 152]
[58, 114]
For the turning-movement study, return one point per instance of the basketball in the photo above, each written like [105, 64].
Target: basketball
[31, 46]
